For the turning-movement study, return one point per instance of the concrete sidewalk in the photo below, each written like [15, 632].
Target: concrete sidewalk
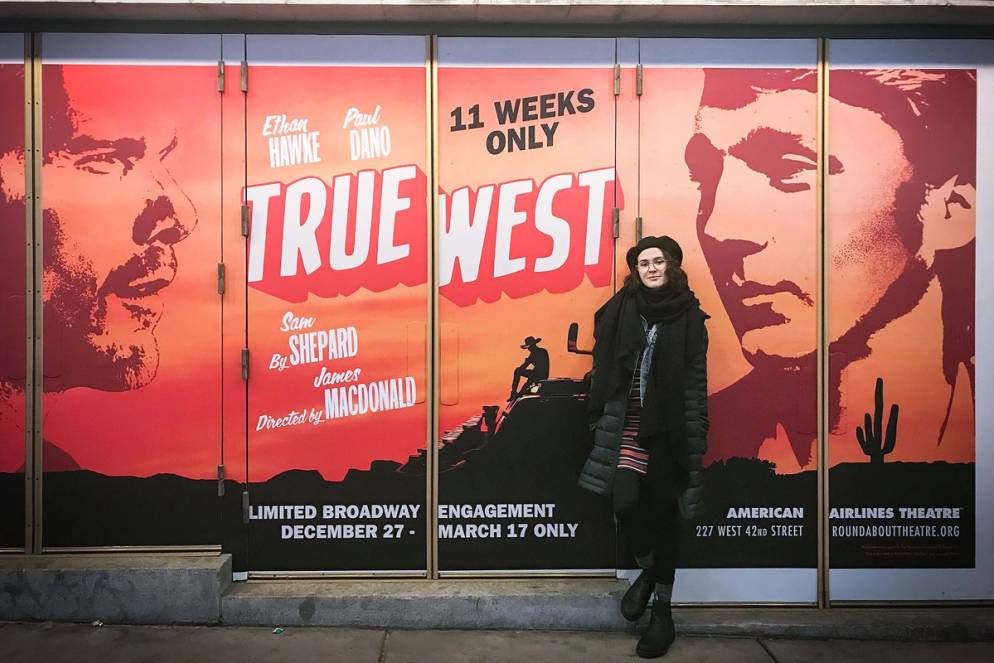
[179, 644]
[198, 590]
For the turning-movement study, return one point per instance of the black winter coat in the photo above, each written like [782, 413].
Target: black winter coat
[598, 470]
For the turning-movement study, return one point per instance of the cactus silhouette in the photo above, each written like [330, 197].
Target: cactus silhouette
[875, 443]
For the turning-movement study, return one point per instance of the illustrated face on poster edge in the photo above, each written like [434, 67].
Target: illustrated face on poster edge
[910, 219]
[113, 211]
[102, 289]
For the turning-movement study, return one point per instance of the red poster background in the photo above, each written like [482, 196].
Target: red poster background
[387, 304]
[132, 210]
[12, 277]
[12, 303]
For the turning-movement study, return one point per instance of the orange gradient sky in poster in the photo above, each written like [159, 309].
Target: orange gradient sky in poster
[480, 343]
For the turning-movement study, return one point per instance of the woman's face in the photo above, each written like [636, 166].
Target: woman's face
[651, 266]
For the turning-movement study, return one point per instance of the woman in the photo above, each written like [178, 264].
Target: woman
[648, 405]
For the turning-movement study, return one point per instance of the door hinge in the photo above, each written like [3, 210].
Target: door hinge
[245, 363]
[616, 222]
[617, 79]
[245, 220]
[220, 278]
[244, 77]
[638, 80]
[220, 480]
[220, 75]
[638, 229]
[245, 507]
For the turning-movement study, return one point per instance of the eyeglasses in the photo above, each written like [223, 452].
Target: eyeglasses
[658, 263]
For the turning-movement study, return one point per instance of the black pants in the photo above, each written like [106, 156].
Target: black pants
[649, 517]
[530, 375]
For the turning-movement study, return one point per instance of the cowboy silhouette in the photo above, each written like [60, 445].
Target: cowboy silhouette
[535, 367]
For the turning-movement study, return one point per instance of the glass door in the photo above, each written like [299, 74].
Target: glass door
[132, 315]
[337, 304]
[528, 197]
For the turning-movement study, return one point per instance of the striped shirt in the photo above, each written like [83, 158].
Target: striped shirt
[631, 455]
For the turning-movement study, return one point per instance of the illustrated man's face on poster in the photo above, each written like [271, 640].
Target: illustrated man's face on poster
[754, 158]
[113, 212]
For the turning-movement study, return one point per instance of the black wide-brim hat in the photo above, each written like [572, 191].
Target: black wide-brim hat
[530, 341]
[664, 243]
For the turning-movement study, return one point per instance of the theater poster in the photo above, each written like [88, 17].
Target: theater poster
[131, 235]
[727, 167]
[526, 191]
[909, 307]
[13, 364]
[337, 303]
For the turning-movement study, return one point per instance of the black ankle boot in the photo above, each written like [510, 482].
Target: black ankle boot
[637, 597]
[661, 633]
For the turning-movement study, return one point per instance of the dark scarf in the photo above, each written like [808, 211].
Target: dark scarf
[662, 304]
[619, 338]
